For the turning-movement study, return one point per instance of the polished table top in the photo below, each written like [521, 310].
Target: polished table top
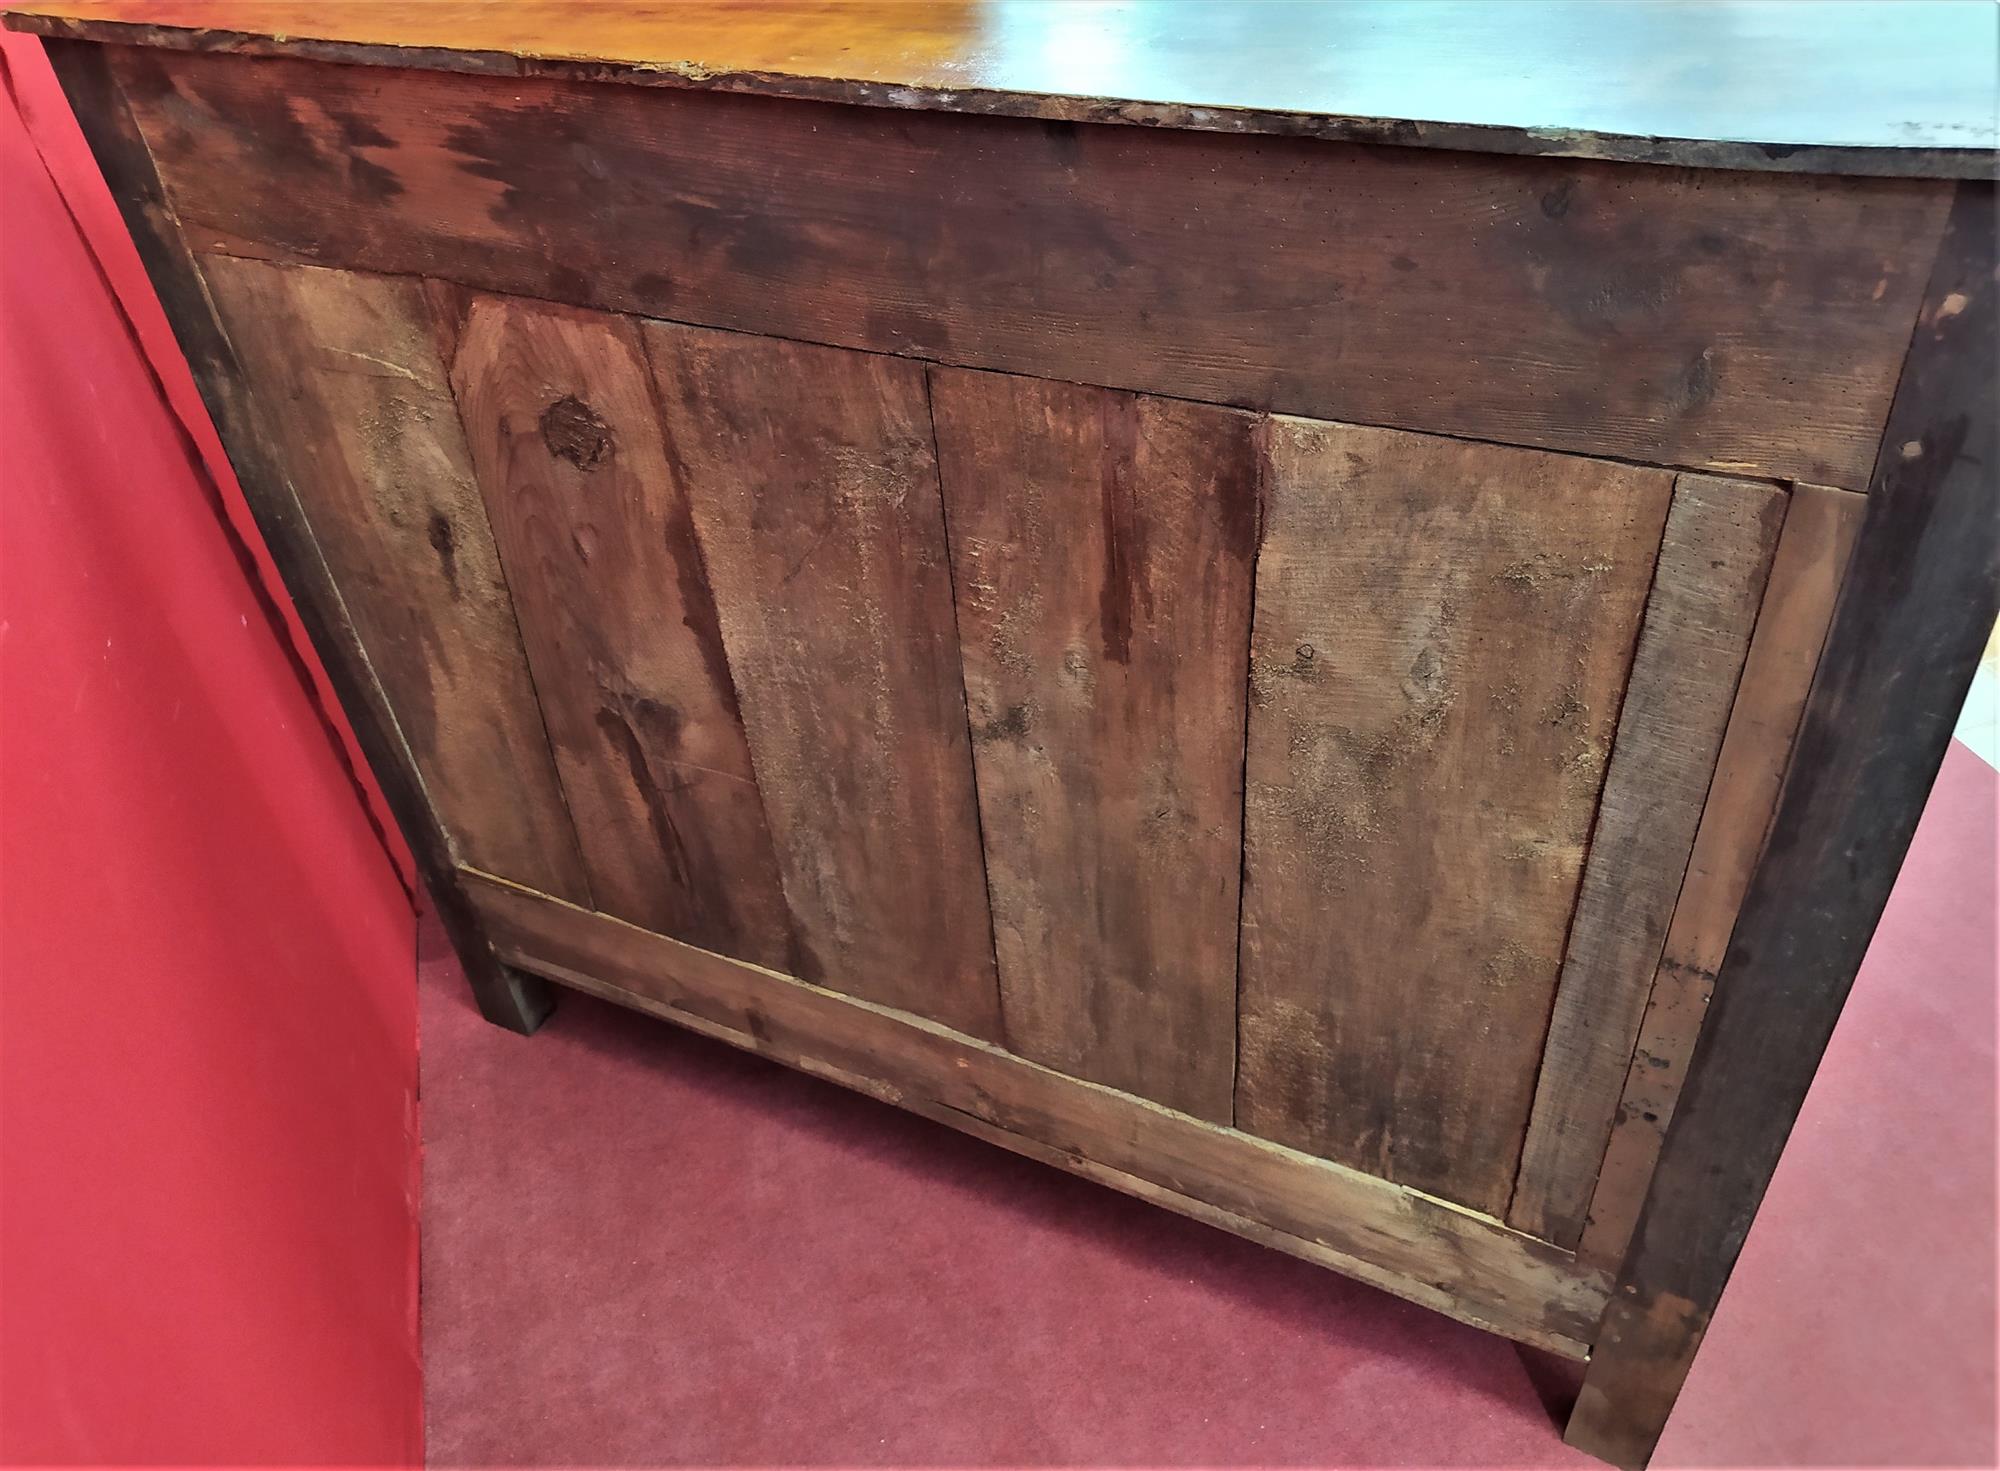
[1841, 86]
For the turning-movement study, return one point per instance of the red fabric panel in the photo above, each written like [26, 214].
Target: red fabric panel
[207, 1022]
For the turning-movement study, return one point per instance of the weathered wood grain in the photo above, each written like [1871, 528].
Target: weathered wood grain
[1650, 314]
[1813, 549]
[811, 477]
[1706, 588]
[1454, 1260]
[618, 620]
[1913, 614]
[1442, 630]
[355, 398]
[1102, 547]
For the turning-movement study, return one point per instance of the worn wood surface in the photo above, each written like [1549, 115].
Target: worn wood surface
[354, 396]
[1459, 1262]
[813, 484]
[618, 619]
[1707, 584]
[1813, 549]
[1102, 546]
[505, 996]
[1821, 88]
[1648, 314]
[1431, 617]
[1913, 614]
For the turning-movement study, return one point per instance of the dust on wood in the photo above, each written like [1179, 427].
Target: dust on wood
[619, 623]
[1102, 547]
[810, 475]
[1442, 632]
[354, 396]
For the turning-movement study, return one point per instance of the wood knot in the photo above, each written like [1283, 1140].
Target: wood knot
[572, 431]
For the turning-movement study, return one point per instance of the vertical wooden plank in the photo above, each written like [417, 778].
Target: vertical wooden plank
[1818, 537]
[812, 480]
[1442, 630]
[619, 623]
[355, 396]
[1717, 552]
[1102, 546]
[1912, 617]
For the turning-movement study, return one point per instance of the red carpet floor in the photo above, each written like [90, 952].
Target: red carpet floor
[644, 1249]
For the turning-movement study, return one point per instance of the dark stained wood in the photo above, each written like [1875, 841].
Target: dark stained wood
[1812, 87]
[1913, 615]
[1648, 314]
[814, 490]
[1706, 588]
[506, 997]
[1467, 1265]
[1102, 547]
[619, 622]
[1488, 667]
[357, 405]
[1820, 527]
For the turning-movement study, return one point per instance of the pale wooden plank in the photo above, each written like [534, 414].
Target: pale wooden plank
[1455, 1260]
[354, 397]
[618, 619]
[813, 486]
[1813, 550]
[1102, 547]
[1713, 563]
[1442, 630]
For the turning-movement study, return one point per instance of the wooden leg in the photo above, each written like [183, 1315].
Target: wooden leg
[514, 999]
[1912, 618]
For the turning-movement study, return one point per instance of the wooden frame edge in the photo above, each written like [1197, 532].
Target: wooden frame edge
[1813, 550]
[1912, 618]
[1456, 1261]
[508, 998]
[1938, 161]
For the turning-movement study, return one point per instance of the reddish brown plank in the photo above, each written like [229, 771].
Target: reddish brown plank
[1442, 632]
[618, 620]
[354, 396]
[811, 478]
[1102, 547]
[1652, 314]
[1710, 578]
[1818, 537]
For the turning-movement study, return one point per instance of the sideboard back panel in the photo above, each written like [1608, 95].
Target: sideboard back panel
[1653, 314]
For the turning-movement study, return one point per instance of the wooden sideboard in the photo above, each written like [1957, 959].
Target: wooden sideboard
[1233, 598]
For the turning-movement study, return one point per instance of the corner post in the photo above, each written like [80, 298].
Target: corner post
[1912, 618]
